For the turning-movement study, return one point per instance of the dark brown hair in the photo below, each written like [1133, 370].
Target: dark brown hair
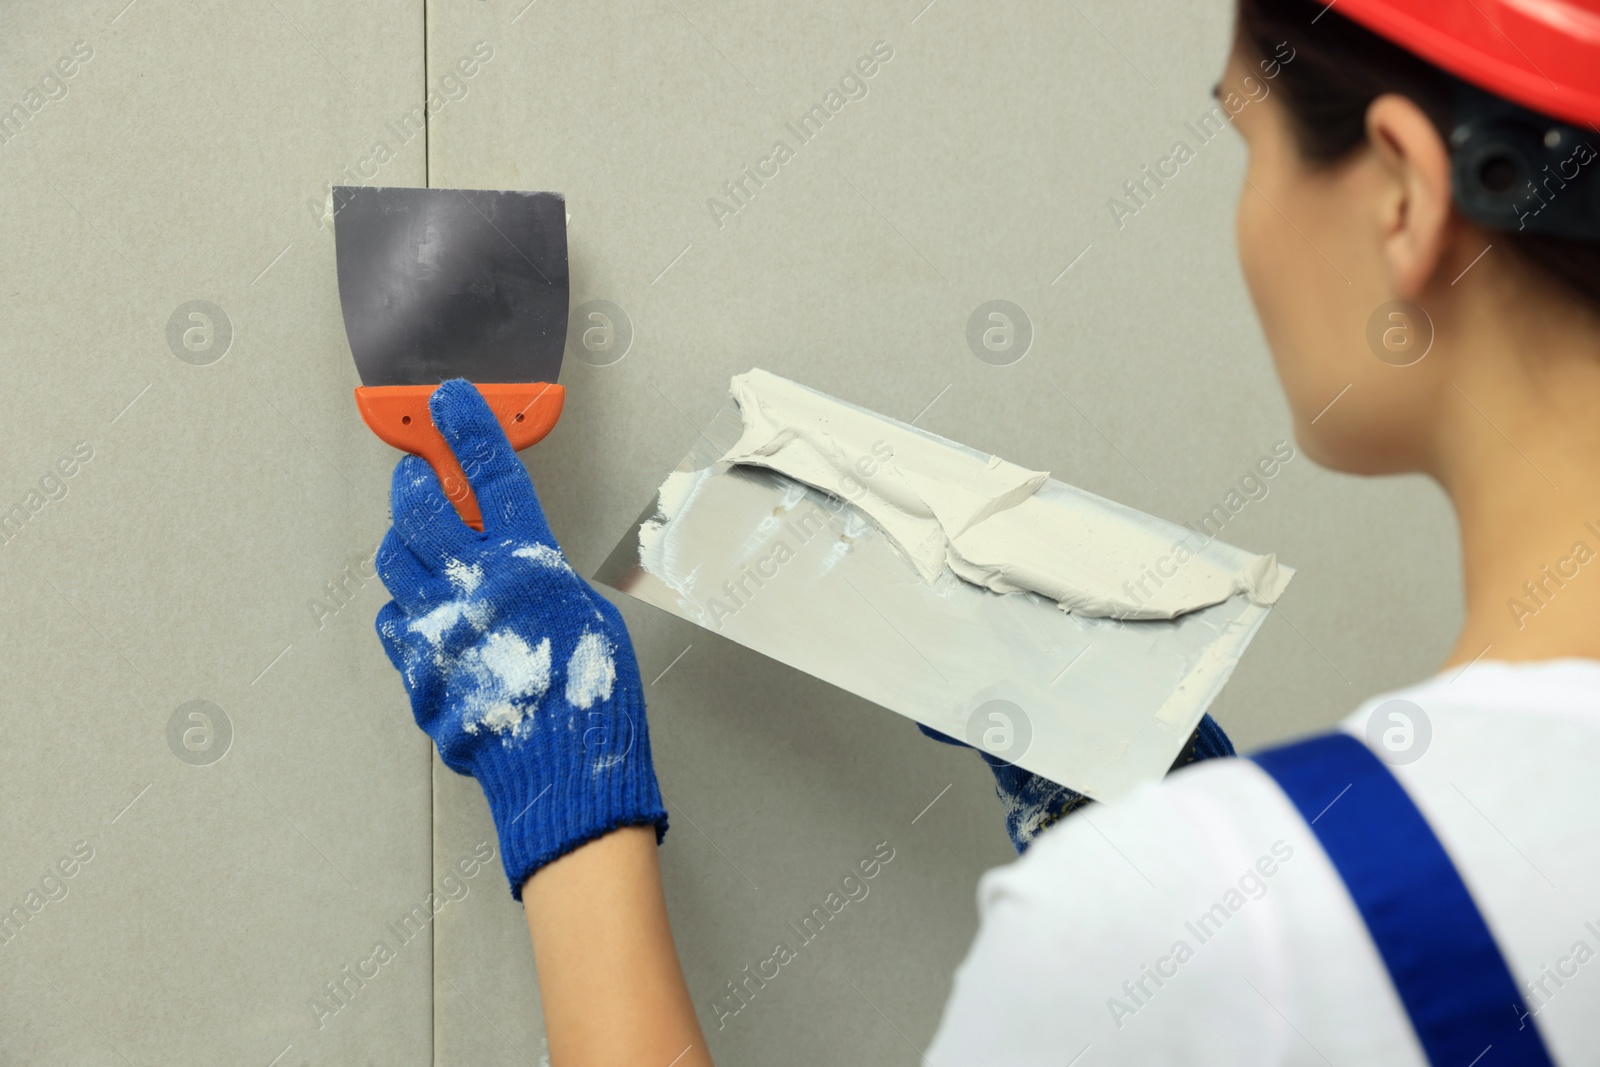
[1339, 68]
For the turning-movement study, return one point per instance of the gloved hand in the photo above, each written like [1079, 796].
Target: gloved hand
[520, 672]
[1032, 804]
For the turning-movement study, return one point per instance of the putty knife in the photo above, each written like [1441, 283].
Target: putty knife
[453, 283]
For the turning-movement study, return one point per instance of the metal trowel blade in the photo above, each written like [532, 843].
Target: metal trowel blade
[1096, 704]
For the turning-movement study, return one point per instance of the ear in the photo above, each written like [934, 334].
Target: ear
[1415, 203]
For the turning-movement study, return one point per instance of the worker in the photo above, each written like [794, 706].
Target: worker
[1419, 229]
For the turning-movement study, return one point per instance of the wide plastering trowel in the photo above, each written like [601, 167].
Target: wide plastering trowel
[931, 578]
[453, 283]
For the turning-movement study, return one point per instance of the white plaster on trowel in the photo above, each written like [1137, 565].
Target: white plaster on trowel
[860, 457]
[944, 506]
[656, 547]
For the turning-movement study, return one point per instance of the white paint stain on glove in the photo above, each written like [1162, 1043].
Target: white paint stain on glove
[543, 554]
[505, 677]
[506, 681]
[591, 671]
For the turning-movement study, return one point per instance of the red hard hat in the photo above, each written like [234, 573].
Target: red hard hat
[1542, 54]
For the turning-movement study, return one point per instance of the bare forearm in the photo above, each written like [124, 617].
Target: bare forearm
[609, 978]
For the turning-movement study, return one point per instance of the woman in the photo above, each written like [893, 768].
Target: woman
[1420, 231]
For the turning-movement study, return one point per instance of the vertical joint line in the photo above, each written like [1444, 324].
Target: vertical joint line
[433, 796]
[427, 119]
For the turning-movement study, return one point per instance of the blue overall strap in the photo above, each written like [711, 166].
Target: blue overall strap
[1443, 960]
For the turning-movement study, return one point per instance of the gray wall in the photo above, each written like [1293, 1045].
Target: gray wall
[180, 565]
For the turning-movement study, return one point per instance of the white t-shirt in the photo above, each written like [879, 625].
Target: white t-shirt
[1199, 921]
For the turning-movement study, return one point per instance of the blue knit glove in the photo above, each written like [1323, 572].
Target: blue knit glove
[1032, 804]
[520, 672]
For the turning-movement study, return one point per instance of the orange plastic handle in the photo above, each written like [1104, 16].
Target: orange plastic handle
[398, 414]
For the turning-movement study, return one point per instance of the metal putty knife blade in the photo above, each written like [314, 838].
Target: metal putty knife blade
[446, 283]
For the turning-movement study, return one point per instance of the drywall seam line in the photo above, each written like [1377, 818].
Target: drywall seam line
[433, 792]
